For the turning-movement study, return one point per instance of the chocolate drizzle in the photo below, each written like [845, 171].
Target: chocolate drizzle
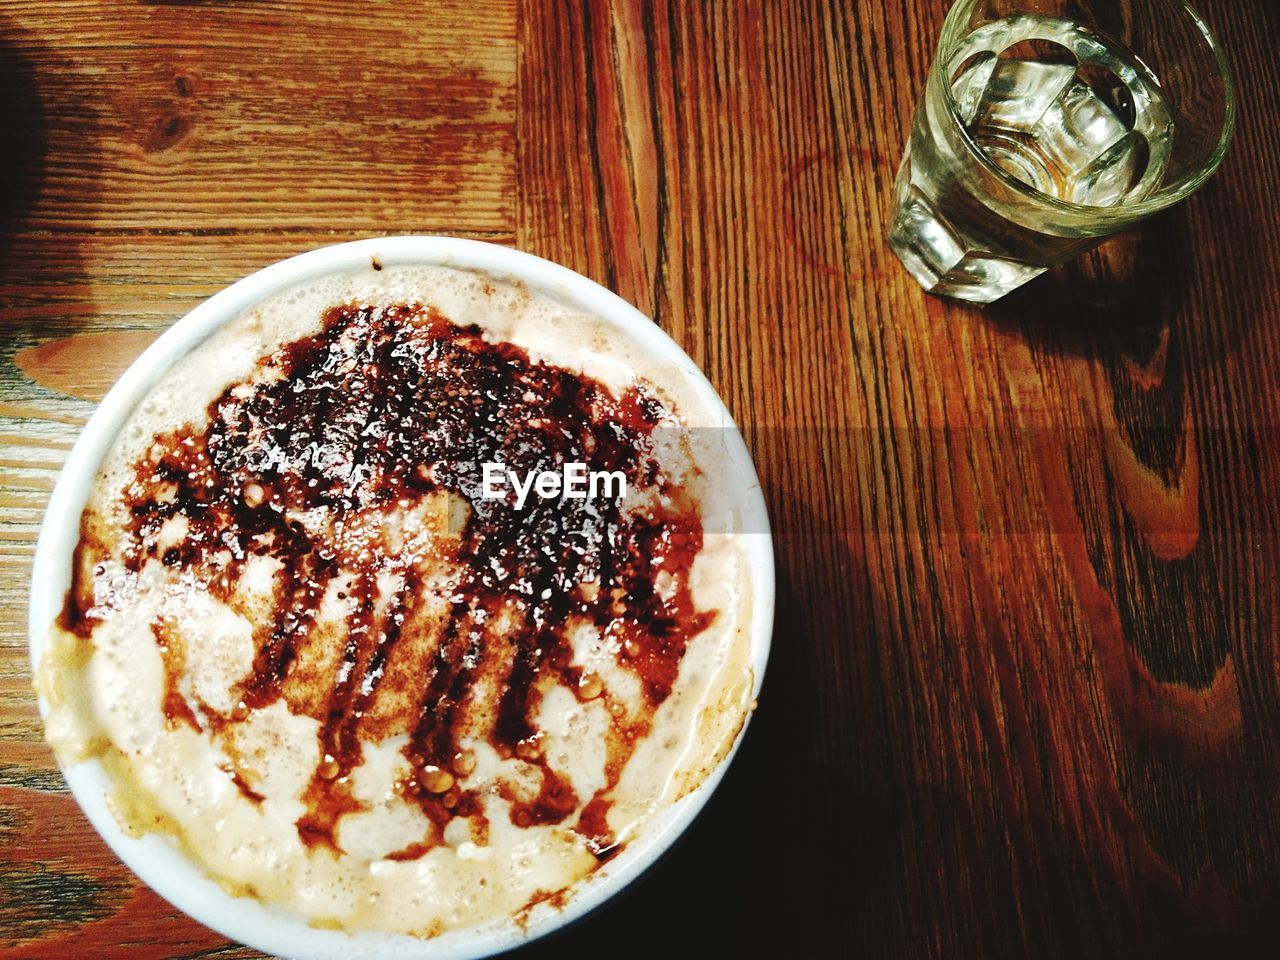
[313, 463]
[175, 706]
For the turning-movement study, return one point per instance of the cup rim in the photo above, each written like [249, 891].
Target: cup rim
[1164, 197]
[156, 859]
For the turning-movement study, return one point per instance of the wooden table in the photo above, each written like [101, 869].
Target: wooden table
[1025, 691]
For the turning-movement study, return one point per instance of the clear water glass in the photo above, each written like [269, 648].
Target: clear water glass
[1046, 126]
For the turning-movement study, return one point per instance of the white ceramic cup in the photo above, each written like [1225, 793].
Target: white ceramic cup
[154, 857]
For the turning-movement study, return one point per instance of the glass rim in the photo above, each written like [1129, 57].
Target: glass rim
[1165, 196]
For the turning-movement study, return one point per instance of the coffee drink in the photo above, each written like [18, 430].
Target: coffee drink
[397, 603]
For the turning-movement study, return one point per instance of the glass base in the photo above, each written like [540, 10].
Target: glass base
[938, 258]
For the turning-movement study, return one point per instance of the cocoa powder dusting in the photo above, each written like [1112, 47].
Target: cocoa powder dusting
[385, 411]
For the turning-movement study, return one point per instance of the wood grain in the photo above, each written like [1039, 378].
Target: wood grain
[1025, 678]
[1025, 694]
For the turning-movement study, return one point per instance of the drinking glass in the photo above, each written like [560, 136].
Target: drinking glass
[1048, 125]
